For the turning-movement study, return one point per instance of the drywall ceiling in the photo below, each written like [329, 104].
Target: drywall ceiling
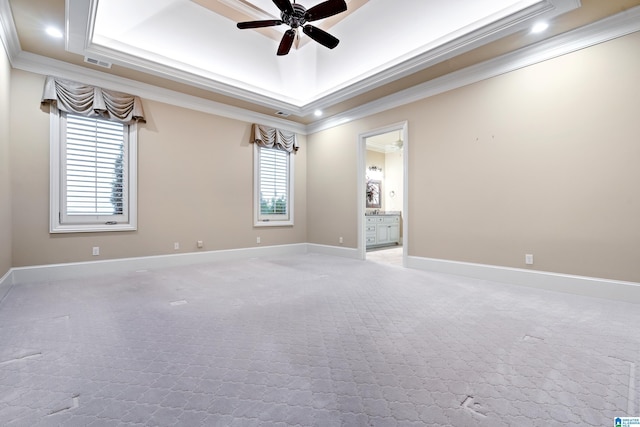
[203, 42]
[194, 47]
[388, 142]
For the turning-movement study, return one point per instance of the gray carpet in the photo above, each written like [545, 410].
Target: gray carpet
[311, 340]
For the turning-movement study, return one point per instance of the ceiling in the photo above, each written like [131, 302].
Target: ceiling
[387, 142]
[193, 46]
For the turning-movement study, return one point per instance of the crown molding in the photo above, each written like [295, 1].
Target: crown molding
[193, 77]
[441, 50]
[85, 44]
[610, 28]
[607, 29]
[46, 66]
[8, 31]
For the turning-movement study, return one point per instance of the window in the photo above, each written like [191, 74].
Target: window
[273, 187]
[93, 174]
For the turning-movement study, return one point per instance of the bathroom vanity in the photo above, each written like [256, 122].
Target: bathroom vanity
[382, 229]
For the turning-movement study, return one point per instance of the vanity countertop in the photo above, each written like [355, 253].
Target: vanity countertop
[382, 213]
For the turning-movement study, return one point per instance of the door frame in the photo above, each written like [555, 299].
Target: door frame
[362, 173]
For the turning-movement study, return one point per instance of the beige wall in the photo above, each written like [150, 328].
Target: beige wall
[5, 188]
[331, 185]
[195, 182]
[543, 160]
[393, 181]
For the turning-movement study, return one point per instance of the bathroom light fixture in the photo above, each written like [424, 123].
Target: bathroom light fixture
[374, 172]
[399, 142]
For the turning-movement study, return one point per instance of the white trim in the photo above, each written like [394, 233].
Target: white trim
[49, 272]
[81, 25]
[578, 285]
[43, 273]
[285, 220]
[8, 31]
[616, 26]
[46, 66]
[336, 251]
[459, 44]
[361, 166]
[5, 284]
[56, 224]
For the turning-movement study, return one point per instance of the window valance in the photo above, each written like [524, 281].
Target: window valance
[270, 137]
[91, 101]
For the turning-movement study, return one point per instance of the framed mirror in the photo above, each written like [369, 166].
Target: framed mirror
[374, 193]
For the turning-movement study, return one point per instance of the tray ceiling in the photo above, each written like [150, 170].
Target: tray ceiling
[193, 47]
[379, 41]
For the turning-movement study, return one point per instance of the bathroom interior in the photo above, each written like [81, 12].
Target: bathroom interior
[384, 197]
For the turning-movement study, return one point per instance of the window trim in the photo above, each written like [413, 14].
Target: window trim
[56, 183]
[257, 222]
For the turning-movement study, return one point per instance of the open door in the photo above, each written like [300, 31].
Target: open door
[382, 194]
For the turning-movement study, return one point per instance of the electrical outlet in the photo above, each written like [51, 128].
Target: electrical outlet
[176, 246]
[200, 243]
[257, 239]
[96, 250]
[341, 240]
[528, 259]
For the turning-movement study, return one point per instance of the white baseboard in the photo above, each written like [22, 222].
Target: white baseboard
[5, 283]
[588, 286]
[579, 285]
[42, 273]
[338, 251]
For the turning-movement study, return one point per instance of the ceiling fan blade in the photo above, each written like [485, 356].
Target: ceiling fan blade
[259, 24]
[321, 36]
[285, 6]
[286, 42]
[325, 9]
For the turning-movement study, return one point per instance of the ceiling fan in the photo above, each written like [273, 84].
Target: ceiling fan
[296, 16]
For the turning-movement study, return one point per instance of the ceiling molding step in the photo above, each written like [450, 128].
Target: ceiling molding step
[214, 84]
[79, 42]
[619, 25]
[38, 64]
[453, 44]
[253, 13]
[410, 63]
[8, 31]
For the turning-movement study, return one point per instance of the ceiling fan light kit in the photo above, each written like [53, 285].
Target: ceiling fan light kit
[296, 16]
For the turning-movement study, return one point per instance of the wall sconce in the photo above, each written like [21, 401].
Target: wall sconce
[375, 172]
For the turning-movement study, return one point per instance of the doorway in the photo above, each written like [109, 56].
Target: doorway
[382, 194]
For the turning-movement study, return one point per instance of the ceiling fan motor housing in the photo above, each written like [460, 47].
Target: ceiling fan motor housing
[296, 19]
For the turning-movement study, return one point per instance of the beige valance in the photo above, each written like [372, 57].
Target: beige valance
[91, 101]
[269, 137]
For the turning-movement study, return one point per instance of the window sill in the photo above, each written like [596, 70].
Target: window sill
[90, 228]
[273, 224]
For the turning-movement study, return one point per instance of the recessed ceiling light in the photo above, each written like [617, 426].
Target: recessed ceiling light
[317, 113]
[54, 32]
[539, 27]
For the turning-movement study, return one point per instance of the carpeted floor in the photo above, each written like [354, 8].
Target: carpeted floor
[312, 340]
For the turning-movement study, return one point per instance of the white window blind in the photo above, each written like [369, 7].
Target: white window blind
[274, 187]
[93, 174]
[95, 171]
